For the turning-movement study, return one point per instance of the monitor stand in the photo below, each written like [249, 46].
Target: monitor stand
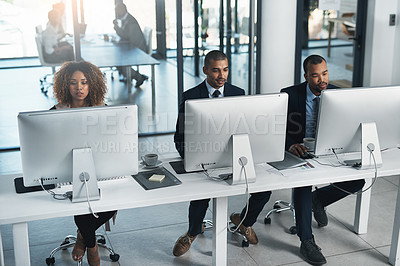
[242, 156]
[369, 142]
[83, 169]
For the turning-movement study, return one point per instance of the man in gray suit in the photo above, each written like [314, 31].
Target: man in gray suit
[129, 32]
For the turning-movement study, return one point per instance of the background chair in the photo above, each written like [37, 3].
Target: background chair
[348, 27]
[70, 240]
[44, 84]
[148, 36]
[288, 206]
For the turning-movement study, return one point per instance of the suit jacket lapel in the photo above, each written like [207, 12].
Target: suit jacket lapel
[203, 90]
[302, 100]
[228, 90]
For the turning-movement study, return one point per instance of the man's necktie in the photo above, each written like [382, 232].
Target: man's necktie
[316, 108]
[315, 115]
[216, 94]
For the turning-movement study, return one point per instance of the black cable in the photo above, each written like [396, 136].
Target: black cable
[246, 192]
[342, 163]
[373, 182]
[205, 171]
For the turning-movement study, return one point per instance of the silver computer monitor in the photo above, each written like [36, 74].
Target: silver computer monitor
[211, 123]
[342, 111]
[48, 138]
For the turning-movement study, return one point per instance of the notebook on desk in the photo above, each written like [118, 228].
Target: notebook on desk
[290, 161]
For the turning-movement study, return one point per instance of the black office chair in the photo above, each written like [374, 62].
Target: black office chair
[287, 206]
[69, 241]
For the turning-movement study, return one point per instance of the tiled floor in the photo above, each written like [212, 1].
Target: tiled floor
[145, 236]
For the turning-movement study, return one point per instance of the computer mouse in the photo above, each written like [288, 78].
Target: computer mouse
[306, 155]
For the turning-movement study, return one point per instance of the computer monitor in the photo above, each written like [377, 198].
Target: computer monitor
[351, 119]
[219, 131]
[100, 141]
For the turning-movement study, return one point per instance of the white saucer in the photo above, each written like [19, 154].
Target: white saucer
[159, 163]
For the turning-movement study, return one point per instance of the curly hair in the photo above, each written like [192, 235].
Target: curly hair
[95, 79]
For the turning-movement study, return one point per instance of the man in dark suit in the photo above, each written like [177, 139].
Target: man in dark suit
[302, 117]
[130, 32]
[216, 71]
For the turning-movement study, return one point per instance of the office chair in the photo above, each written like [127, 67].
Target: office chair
[44, 84]
[148, 36]
[348, 29]
[288, 206]
[69, 241]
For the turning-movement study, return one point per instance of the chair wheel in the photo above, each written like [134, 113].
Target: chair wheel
[293, 230]
[277, 206]
[101, 240]
[267, 220]
[50, 261]
[245, 244]
[114, 257]
[65, 242]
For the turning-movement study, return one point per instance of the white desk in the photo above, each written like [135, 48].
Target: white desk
[127, 193]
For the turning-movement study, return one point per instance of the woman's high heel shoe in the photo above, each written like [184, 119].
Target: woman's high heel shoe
[93, 256]
[79, 248]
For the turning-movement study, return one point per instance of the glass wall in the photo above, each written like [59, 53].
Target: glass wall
[240, 43]
[329, 35]
[209, 34]
[18, 19]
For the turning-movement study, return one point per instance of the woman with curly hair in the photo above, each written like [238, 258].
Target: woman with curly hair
[82, 84]
[72, 83]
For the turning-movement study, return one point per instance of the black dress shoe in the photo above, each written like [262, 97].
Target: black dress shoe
[311, 252]
[319, 211]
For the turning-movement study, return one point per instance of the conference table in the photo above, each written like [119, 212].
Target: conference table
[126, 193]
[116, 54]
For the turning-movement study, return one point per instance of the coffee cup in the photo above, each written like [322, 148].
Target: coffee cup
[309, 144]
[150, 159]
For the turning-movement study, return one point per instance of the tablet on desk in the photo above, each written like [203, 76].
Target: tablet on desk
[290, 161]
